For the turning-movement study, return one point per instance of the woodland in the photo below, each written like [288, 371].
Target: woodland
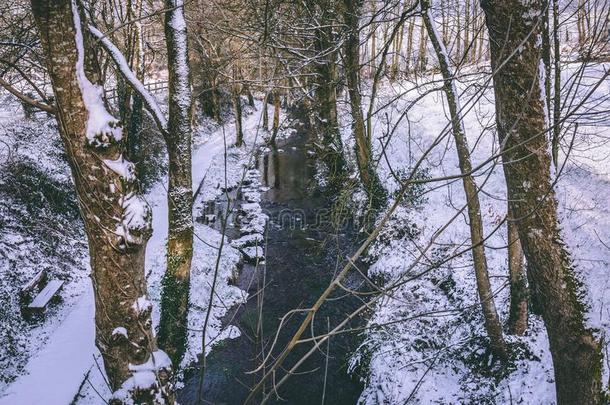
[304, 201]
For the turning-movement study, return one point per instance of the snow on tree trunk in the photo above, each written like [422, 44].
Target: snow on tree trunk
[175, 294]
[515, 38]
[492, 320]
[116, 218]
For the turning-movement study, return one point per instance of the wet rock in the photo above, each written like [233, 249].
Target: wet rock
[248, 240]
[253, 254]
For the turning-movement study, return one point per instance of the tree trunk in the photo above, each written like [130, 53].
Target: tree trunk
[467, 47]
[239, 134]
[116, 218]
[135, 120]
[175, 294]
[373, 59]
[397, 50]
[444, 22]
[368, 175]
[206, 92]
[458, 35]
[556, 85]
[580, 22]
[265, 111]
[546, 56]
[421, 55]
[483, 45]
[215, 99]
[517, 319]
[326, 92]
[521, 129]
[493, 325]
[276, 116]
[246, 90]
[409, 50]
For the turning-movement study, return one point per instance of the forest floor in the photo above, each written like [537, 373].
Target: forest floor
[64, 337]
[407, 356]
[433, 348]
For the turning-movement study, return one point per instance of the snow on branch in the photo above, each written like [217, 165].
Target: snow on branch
[102, 129]
[135, 225]
[119, 59]
[146, 377]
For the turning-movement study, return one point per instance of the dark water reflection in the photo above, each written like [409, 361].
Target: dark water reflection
[301, 260]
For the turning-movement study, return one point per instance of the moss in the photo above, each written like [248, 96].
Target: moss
[37, 191]
[172, 334]
[414, 196]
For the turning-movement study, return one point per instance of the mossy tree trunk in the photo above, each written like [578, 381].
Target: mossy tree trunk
[116, 218]
[368, 175]
[326, 88]
[176, 281]
[518, 313]
[265, 111]
[236, 90]
[239, 133]
[276, 116]
[522, 132]
[137, 105]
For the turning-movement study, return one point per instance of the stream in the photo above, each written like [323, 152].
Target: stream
[303, 253]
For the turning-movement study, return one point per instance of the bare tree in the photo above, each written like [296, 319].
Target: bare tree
[514, 28]
[368, 174]
[492, 320]
[326, 48]
[117, 219]
[176, 281]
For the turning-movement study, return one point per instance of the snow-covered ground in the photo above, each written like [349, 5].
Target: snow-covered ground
[60, 354]
[39, 229]
[438, 357]
[426, 341]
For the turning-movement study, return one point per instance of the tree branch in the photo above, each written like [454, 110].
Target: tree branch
[150, 102]
[35, 103]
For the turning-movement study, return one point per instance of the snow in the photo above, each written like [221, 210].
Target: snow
[144, 375]
[208, 167]
[437, 358]
[251, 207]
[410, 353]
[120, 331]
[135, 219]
[248, 240]
[42, 299]
[254, 253]
[180, 61]
[71, 345]
[102, 128]
[35, 236]
[158, 360]
[142, 304]
[54, 374]
[119, 58]
[122, 167]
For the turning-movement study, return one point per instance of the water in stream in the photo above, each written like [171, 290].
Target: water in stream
[303, 253]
